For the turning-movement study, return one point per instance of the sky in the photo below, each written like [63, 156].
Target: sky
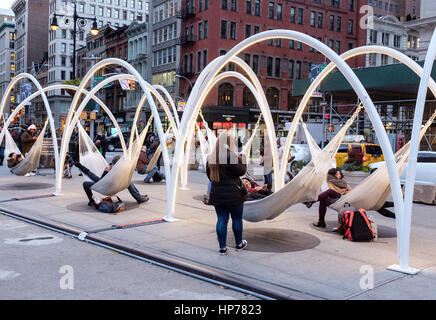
[6, 4]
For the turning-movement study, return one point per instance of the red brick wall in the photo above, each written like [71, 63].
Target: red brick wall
[214, 15]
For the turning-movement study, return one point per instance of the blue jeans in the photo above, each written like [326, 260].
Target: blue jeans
[223, 219]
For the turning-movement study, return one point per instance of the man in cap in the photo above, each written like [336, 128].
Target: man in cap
[28, 138]
[88, 184]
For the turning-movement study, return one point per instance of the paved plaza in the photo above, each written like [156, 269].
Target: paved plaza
[286, 254]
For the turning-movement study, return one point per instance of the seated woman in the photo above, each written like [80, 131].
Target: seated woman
[255, 191]
[337, 187]
[14, 159]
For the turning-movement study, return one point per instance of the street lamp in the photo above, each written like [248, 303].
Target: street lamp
[77, 20]
[180, 76]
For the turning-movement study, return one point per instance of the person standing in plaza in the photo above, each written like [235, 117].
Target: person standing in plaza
[28, 139]
[227, 194]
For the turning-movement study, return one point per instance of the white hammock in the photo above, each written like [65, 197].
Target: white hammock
[31, 160]
[372, 193]
[119, 177]
[305, 186]
[89, 156]
[156, 154]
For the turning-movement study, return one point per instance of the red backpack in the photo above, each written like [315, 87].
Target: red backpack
[356, 227]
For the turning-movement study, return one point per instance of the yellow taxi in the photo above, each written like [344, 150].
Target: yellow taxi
[371, 152]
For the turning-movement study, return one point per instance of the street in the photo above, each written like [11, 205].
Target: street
[41, 264]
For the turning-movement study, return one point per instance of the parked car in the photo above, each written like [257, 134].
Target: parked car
[113, 142]
[371, 152]
[425, 168]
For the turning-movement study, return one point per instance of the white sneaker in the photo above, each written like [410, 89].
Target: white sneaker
[27, 175]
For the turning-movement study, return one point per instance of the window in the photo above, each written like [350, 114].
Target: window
[233, 5]
[350, 26]
[200, 31]
[256, 29]
[338, 47]
[277, 68]
[225, 95]
[338, 24]
[336, 3]
[271, 10]
[257, 7]
[397, 41]
[224, 4]
[255, 64]
[332, 23]
[292, 15]
[291, 69]
[272, 96]
[279, 11]
[373, 37]
[279, 43]
[248, 99]
[320, 20]
[198, 61]
[233, 30]
[205, 30]
[298, 70]
[351, 5]
[100, 11]
[291, 44]
[385, 39]
[204, 58]
[269, 66]
[300, 15]
[223, 29]
[248, 6]
[247, 30]
[312, 18]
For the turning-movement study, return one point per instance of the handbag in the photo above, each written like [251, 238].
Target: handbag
[242, 188]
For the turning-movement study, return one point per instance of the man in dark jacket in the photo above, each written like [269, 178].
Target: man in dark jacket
[28, 138]
[88, 184]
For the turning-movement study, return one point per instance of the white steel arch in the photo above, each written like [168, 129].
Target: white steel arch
[11, 85]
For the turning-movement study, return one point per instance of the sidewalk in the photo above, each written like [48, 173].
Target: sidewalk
[287, 253]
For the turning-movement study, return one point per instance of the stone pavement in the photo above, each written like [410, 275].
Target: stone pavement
[286, 253]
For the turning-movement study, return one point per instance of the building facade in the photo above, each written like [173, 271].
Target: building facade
[212, 28]
[115, 13]
[31, 25]
[7, 60]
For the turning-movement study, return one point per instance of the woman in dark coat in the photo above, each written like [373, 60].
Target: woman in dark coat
[224, 169]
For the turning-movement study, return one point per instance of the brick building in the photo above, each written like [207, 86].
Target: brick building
[213, 27]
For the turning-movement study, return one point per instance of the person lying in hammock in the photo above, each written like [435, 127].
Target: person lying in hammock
[255, 191]
[337, 187]
[142, 165]
[14, 159]
[88, 184]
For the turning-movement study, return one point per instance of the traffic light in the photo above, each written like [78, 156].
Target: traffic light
[132, 84]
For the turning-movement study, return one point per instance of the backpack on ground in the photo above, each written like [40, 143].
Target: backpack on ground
[356, 226]
[108, 206]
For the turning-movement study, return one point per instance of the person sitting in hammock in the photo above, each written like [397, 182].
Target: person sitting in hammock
[88, 184]
[255, 191]
[337, 187]
[14, 159]
[142, 165]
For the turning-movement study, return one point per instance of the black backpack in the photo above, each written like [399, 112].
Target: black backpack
[357, 226]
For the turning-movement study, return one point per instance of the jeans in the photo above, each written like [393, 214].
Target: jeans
[132, 189]
[325, 199]
[223, 218]
[268, 180]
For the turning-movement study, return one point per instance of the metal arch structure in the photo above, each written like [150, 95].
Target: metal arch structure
[70, 122]
[255, 87]
[211, 71]
[67, 87]
[47, 108]
[402, 222]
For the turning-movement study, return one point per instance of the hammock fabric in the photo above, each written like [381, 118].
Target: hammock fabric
[89, 155]
[372, 193]
[305, 186]
[156, 154]
[31, 160]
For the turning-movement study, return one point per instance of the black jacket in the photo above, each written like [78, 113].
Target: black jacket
[226, 193]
